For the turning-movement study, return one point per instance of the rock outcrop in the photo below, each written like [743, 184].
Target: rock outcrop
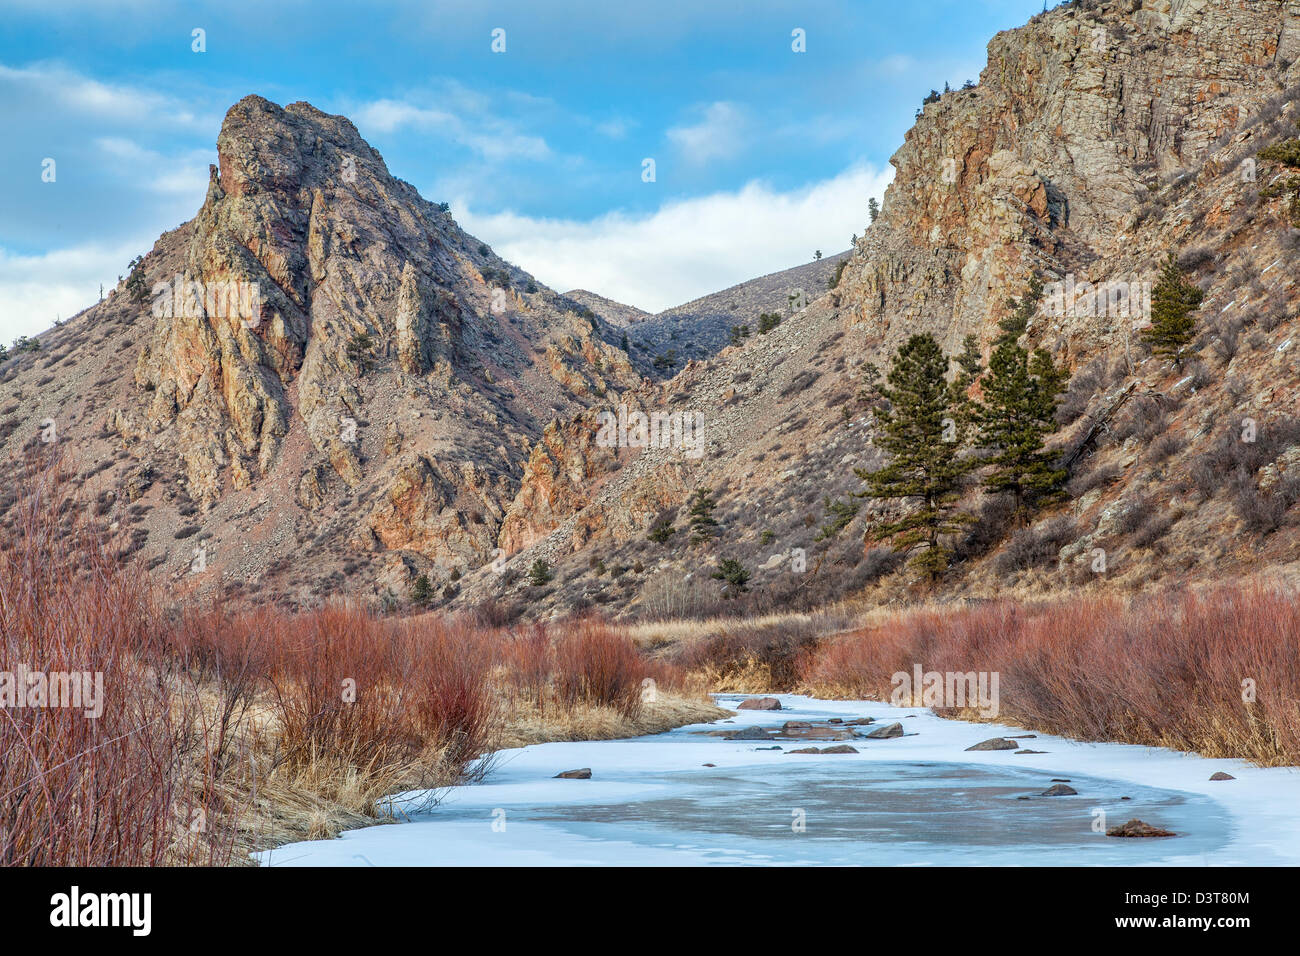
[321, 335]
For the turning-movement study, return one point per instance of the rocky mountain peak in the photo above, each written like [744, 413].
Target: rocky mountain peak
[323, 336]
[263, 147]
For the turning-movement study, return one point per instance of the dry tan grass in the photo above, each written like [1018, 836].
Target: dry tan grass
[655, 635]
[531, 726]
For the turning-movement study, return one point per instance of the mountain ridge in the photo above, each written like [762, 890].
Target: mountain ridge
[403, 404]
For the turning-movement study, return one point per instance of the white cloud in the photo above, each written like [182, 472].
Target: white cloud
[492, 138]
[37, 289]
[719, 135]
[185, 176]
[689, 247]
[104, 101]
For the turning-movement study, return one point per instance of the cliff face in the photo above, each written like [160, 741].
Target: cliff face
[1042, 167]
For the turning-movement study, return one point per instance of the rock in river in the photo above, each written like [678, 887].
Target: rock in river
[760, 703]
[884, 733]
[749, 733]
[1138, 828]
[1060, 790]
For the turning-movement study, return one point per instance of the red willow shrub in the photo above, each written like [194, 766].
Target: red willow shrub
[528, 659]
[583, 661]
[445, 677]
[377, 694]
[597, 665]
[118, 788]
[1212, 671]
[780, 648]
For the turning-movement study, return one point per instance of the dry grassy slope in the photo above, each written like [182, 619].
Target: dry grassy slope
[701, 328]
[615, 313]
[206, 428]
[1100, 137]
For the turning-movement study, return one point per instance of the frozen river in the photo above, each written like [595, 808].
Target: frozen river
[916, 800]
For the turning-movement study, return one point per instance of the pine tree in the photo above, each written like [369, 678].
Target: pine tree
[361, 350]
[1021, 311]
[700, 516]
[421, 591]
[135, 282]
[969, 368]
[840, 515]
[921, 429]
[734, 573]
[1173, 301]
[539, 573]
[661, 531]
[873, 208]
[1020, 395]
[969, 361]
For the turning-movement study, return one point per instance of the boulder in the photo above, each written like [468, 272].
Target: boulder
[749, 733]
[583, 774]
[803, 730]
[1138, 828]
[760, 703]
[1060, 790]
[886, 732]
[1223, 776]
[995, 743]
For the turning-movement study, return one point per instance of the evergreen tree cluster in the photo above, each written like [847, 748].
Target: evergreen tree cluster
[937, 435]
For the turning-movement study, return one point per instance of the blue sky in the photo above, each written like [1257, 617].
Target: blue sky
[762, 154]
